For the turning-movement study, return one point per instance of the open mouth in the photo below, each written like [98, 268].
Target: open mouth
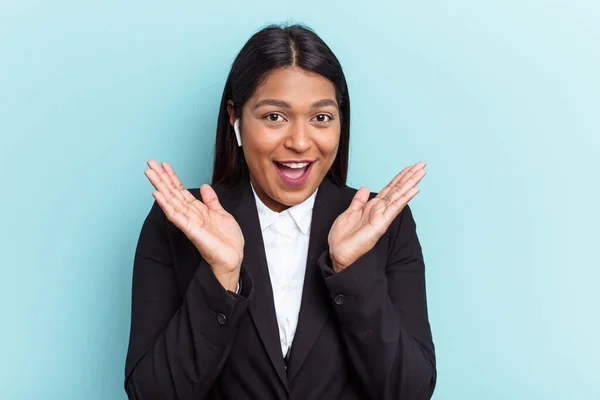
[294, 173]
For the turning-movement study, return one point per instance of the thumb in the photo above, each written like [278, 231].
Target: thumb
[360, 198]
[209, 197]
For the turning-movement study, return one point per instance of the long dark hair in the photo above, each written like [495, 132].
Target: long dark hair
[273, 47]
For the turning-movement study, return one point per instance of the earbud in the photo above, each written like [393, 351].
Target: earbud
[236, 128]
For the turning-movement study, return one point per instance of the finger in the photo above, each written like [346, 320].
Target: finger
[360, 199]
[415, 168]
[170, 197]
[400, 177]
[394, 208]
[153, 178]
[158, 178]
[169, 170]
[410, 183]
[178, 218]
[158, 183]
[389, 186]
[190, 201]
[401, 184]
[209, 197]
[160, 171]
[177, 183]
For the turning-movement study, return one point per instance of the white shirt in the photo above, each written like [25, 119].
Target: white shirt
[286, 236]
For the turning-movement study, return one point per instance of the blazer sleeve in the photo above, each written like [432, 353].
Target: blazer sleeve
[383, 317]
[178, 342]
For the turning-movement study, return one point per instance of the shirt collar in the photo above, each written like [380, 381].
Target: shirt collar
[301, 213]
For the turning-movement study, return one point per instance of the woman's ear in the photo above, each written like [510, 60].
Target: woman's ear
[235, 121]
[231, 112]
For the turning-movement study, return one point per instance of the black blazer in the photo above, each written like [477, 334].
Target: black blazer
[362, 333]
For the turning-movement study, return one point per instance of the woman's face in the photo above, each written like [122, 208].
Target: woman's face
[290, 133]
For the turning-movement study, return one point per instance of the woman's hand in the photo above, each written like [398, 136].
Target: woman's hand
[213, 231]
[356, 231]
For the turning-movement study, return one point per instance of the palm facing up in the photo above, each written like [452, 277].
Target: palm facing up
[357, 229]
[214, 232]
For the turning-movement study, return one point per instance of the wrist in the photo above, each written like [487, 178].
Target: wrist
[229, 281]
[337, 267]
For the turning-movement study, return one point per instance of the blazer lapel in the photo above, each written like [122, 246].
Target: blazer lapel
[261, 308]
[313, 310]
[240, 202]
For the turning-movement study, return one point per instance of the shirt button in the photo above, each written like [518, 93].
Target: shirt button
[286, 288]
[221, 318]
[339, 299]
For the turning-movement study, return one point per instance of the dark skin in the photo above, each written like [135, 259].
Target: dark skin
[293, 115]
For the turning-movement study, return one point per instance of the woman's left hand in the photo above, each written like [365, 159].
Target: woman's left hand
[357, 229]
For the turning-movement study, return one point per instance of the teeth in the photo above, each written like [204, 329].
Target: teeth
[295, 165]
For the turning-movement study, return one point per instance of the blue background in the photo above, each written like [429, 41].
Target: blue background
[501, 98]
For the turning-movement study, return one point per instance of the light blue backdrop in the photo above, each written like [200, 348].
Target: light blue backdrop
[501, 98]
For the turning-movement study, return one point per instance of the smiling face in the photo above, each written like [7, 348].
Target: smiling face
[290, 133]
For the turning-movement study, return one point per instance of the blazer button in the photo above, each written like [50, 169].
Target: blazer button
[339, 299]
[221, 318]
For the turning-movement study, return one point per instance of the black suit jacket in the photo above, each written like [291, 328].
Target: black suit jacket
[362, 333]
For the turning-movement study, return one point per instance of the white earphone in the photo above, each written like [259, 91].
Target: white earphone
[236, 128]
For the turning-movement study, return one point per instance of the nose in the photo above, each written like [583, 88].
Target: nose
[298, 138]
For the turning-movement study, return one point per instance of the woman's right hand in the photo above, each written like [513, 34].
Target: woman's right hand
[214, 232]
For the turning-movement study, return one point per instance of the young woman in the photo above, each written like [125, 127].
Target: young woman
[279, 281]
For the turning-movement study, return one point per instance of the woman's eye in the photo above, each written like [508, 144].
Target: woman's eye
[274, 117]
[323, 118]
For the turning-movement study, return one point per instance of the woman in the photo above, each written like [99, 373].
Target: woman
[279, 281]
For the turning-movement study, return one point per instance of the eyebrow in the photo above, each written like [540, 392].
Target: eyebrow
[285, 104]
